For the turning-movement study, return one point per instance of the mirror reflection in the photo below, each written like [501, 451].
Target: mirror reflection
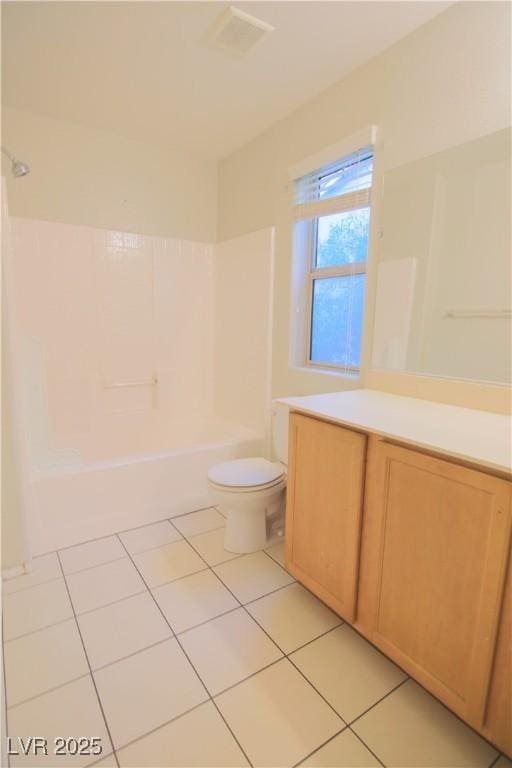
[443, 303]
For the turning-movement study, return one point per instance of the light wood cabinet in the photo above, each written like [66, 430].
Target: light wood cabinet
[420, 565]
[497, 725]
[437, 538]
[324, 510]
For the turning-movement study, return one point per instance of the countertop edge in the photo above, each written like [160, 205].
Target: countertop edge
[478, 461]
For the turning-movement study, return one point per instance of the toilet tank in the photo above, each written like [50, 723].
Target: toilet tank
[279, 431]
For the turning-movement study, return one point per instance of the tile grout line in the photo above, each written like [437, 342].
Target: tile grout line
[261, 597]
[207, 621]
[343, 730]
[108, 605]
[209, 565]
[240, 605]
[281, 650]
[321, 746]
[189, 660]
[31, 586]
[284, 654]
[200, 533]
[158, 546]
[145, 648]
[236, 557]
[314, 688]
[244, 679]
[416, 682]
[49, 690]
[165, 583]
[185, 514]
[358, 632]
[317, 637]
[210, 697]
[347, 724]
[228, 688]
[287, 656]
[174, 634]
[405, 680]
[56, 578]
[402, 682]
[162, 725]
[274, 559]
[84, 613]
[115, 533]
[39, 629]
[129, 556]
[445, 707]
[134, 653]
[148, 589]
[89, 665]
[90, 567]
[358, 737]
[128, 597]
[272, 592]
[237, 608]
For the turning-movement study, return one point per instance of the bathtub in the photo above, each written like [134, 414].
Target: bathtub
[124, 479]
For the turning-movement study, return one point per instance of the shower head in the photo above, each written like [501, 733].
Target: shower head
[18, 167]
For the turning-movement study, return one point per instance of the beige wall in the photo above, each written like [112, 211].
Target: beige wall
[242, 328]
[82, 176]
[14, 496]
[445, 84]
[13, 550]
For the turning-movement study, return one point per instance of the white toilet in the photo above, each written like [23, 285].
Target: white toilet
[251, 492]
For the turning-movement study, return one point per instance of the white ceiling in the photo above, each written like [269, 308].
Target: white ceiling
[139, 69]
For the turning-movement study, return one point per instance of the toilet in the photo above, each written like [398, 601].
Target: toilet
[251, 492]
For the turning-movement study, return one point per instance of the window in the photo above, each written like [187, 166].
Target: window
[332, 205]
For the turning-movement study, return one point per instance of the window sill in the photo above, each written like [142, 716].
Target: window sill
[353, 376]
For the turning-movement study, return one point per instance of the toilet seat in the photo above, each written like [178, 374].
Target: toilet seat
[246, 475]
[251, 495]
[247, 488]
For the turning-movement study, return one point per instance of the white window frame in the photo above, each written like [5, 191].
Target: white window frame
[349, 201]
[322, 273]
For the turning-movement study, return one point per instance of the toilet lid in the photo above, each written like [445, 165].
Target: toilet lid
[241, 473]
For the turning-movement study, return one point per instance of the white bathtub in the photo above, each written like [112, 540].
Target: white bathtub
[123, 484]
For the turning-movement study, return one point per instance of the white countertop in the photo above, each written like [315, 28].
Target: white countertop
[477, 436]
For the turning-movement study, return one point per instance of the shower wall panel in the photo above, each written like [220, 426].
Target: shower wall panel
[109, 325]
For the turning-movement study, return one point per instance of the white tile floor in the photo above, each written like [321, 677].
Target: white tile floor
[174, 652]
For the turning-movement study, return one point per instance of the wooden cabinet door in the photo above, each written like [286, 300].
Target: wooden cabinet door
[324, 510]
[436, 543]
[498, 716]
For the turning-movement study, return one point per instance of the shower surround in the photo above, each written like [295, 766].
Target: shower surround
[133, 380]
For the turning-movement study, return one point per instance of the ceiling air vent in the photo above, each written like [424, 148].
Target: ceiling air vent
[235, 31]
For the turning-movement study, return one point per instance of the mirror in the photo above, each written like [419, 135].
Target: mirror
[443, 300]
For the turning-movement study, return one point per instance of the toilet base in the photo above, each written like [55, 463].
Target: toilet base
[253, 525]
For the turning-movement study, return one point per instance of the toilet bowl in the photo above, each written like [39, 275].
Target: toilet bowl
[251, 493]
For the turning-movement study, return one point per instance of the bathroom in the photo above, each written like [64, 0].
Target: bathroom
[256, 371]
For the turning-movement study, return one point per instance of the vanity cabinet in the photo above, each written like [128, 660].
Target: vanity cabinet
[436, 546]
[413, 549]
[324, 509]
